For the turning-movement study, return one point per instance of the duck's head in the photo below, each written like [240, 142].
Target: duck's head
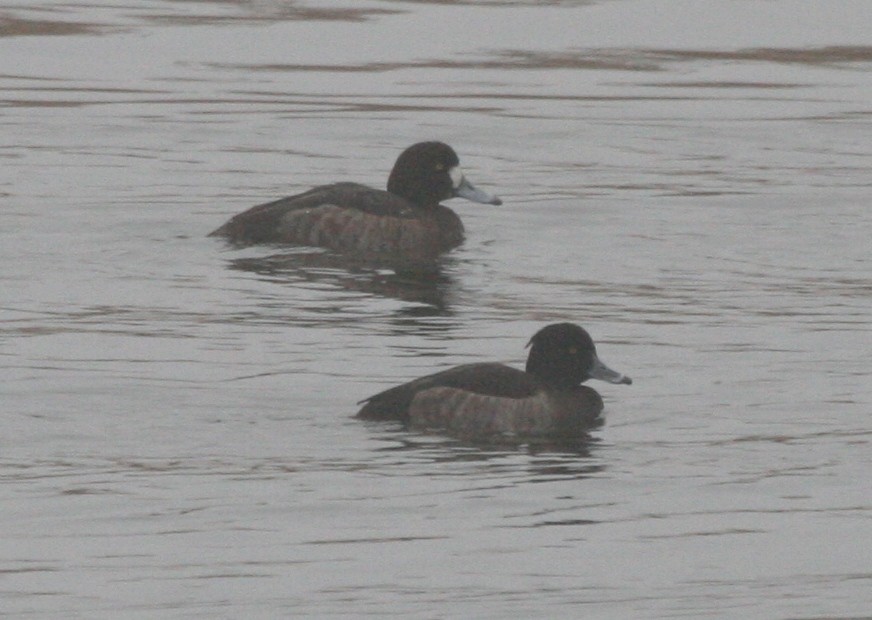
[563, 355]
[429, 172]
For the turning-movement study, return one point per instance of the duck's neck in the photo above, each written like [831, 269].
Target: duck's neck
[419, 194]
[555, 374]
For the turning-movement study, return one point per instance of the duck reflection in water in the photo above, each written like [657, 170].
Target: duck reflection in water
[427, 291]
[491, 401]
[549, 459]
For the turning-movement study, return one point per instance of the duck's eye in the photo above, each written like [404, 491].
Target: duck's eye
[573, 351]
[440, 167]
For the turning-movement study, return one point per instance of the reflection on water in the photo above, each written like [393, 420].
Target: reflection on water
[430, 288]
[569, 454]
[689, 181]
[314, 277]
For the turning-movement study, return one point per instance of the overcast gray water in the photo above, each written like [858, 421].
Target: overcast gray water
[689, 180]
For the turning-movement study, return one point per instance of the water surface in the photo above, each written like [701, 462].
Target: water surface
[688, 180]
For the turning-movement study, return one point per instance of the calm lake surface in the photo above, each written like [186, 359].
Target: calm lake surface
[689, 180]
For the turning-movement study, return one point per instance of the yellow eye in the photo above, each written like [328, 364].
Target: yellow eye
[573, 350]
[440, 167]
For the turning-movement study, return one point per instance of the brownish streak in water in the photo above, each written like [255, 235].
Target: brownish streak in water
[16, 27]
[505, 59]
[288, 13]
[828, 55]
[596, 59]
[720, 84]
[33, 103]
[63, 89]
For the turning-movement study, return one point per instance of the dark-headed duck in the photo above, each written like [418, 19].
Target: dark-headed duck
[491, 400]
[404, 222]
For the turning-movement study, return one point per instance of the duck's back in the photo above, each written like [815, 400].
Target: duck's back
[352, 218]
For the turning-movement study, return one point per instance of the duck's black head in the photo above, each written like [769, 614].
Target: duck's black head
[429, 172]
[563, 355]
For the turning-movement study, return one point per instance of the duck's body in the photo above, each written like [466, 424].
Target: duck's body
[406, 222]
[491, 400]
[487, 399]
[350, 218]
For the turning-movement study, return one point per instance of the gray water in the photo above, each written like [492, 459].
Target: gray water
[688, 180]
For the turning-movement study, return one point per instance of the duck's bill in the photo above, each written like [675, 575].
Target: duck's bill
[604, 373]
[465, 189]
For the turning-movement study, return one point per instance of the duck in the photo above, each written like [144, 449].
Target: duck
[489, 400]
[405, 222]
